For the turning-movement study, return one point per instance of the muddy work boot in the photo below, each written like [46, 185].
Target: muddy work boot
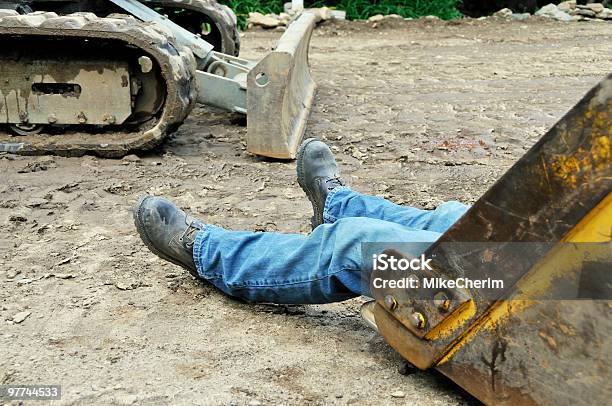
[167, 231]
[318, 174]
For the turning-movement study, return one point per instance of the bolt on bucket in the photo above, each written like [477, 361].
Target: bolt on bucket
[280, 94]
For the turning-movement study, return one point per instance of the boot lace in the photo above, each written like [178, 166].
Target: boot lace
[188, 236]
[333, 183]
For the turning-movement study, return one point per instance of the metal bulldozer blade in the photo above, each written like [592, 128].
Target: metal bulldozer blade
[280, 94]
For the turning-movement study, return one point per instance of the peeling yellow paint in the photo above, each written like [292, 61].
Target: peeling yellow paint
[463, 313]
[596, 226]
[568, 169]
[597, 158]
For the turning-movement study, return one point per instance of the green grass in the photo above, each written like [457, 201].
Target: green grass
[362, 9]
[355, 9]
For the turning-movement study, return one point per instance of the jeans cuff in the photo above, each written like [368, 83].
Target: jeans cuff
[198, 244]
[327, 216]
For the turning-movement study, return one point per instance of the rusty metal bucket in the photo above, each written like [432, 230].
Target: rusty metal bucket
[281, 93]
[545, 340]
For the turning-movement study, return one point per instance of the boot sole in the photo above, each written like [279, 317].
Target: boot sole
[317, 219]
[142, 232]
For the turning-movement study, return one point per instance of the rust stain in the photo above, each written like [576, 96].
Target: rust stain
[499, 312]
[549, 340]
[471, 379]
[498, 356]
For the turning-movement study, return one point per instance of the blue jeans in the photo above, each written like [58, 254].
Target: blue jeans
[324, 266]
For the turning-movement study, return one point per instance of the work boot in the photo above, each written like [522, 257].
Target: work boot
[318, 174]
[167, 231]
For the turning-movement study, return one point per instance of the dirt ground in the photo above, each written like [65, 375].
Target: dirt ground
[418, 112]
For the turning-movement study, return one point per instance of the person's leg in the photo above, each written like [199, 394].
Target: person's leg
[325, 266]
[319, 176]
[344, 202]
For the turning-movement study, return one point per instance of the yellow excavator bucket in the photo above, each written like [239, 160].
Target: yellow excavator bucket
[544, 228]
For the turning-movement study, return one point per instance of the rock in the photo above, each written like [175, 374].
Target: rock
[547, 10]
[68, 187]
[35, 202]
[126, 399]
[503, 13]
[255, 402]
[431, 17]
[520, 16]
[379, 17]
[585, 12]
[18, 218]
[551, 11]
[64, 275]
[606, 14]
[398, 394]
[566, 6]
[338, 14]
[595, 7]
[326, 13]
[124, 286]
[21, 316]
[63, 261]
[38, 166]
[12, 273]
[265, 21]
[117, 188]
[284, 18]
[33, 167]
[131, 158]
[321, 14]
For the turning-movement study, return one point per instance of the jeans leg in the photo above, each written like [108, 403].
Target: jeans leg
[325, 266]
[345, 202]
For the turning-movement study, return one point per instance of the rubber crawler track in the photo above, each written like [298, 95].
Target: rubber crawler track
[177, 66]
[222, 15]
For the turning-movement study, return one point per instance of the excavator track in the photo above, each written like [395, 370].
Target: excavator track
[215, 23]
[191, 13]
[80, 84]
